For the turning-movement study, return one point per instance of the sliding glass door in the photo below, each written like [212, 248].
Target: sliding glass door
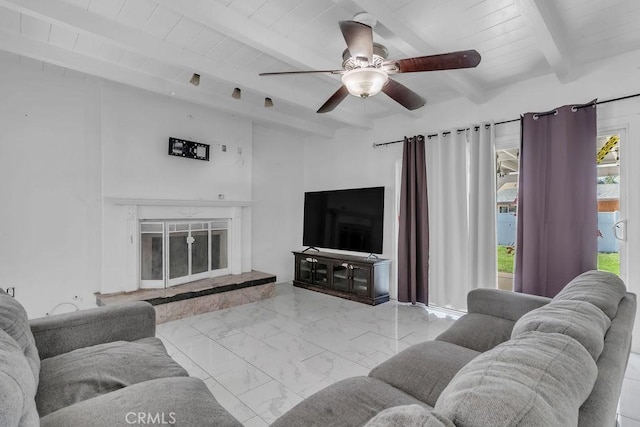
[612, 203]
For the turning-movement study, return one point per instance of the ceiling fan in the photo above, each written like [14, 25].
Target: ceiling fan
[366, 68]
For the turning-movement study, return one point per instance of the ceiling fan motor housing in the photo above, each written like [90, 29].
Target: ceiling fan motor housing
[380, 54]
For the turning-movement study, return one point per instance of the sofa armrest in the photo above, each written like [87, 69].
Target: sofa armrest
[504, 304]
[66, 332]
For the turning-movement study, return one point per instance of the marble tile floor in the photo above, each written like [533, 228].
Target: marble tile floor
[262, 358]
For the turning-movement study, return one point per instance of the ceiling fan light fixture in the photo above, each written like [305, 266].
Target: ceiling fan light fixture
[364, 82]
[237, 93]
[195, 79]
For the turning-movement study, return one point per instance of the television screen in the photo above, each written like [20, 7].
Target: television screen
[349, 220]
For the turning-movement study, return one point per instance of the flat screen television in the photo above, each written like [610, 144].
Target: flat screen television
[349, 220]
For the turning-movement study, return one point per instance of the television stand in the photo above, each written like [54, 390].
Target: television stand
[356, 278]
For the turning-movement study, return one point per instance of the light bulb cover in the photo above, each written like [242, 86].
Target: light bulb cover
[364, 82]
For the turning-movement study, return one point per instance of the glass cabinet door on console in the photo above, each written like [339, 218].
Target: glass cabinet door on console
[341, 276]
[305, 269]
[321, 276]
[360, 280]
[314, 271]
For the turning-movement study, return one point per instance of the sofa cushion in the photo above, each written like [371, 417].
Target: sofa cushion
[535, 379]
[479, 332]
[409, 416]
[17, 385]
[350, 402]
[424, 370]
[182, 401]
[600, 288]
[580, 320]
[92, 371]
[14, 321]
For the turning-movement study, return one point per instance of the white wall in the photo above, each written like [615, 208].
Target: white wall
[70, 143]
[278, 194]
[348, 160]
[135, 129]
[49, 188]
[136, 126]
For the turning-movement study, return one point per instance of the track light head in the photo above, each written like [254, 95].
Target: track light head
[195, 79]
[237, 93]
[268, 102]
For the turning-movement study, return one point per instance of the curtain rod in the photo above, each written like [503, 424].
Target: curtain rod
[606, 101]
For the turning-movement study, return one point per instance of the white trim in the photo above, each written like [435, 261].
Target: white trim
[177, 202]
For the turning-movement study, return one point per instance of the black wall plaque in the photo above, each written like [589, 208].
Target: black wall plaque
[188, 149]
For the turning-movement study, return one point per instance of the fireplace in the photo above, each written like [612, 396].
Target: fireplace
[162, 243]
[175, 252]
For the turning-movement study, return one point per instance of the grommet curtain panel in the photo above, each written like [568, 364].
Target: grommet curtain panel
[413, 232]
[557, 200]
[462, 205]
[483, 271]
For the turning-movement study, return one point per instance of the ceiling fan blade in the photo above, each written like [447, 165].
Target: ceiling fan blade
[359, 38]
[302, 72]
[445, 61]
[403, 95]
[335, 99]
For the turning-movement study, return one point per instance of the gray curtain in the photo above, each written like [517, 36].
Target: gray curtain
[413, 238]
[557, 201]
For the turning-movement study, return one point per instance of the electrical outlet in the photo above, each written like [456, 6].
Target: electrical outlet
[224, 148]
[11, 291]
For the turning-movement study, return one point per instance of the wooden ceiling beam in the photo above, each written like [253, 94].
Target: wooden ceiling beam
[543, 21]
[19, 45]
[77, 19]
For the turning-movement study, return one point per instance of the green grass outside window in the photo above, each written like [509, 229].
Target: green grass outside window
[606, 261]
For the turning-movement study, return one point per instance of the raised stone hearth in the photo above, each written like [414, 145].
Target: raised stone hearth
[199, 297]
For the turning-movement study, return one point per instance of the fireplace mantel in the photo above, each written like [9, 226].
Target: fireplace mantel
[131, 201]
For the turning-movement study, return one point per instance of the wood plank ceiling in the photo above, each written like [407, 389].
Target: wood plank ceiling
[157, 45]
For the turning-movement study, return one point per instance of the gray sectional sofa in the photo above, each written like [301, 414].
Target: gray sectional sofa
[513, 360]
[99, 367]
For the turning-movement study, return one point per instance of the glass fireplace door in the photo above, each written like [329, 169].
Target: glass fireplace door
[172, 253]
[188, 249]
[152, 255]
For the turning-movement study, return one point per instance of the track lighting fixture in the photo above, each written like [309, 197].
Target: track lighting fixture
[237, 93]
[195, 79]
[268, 102]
